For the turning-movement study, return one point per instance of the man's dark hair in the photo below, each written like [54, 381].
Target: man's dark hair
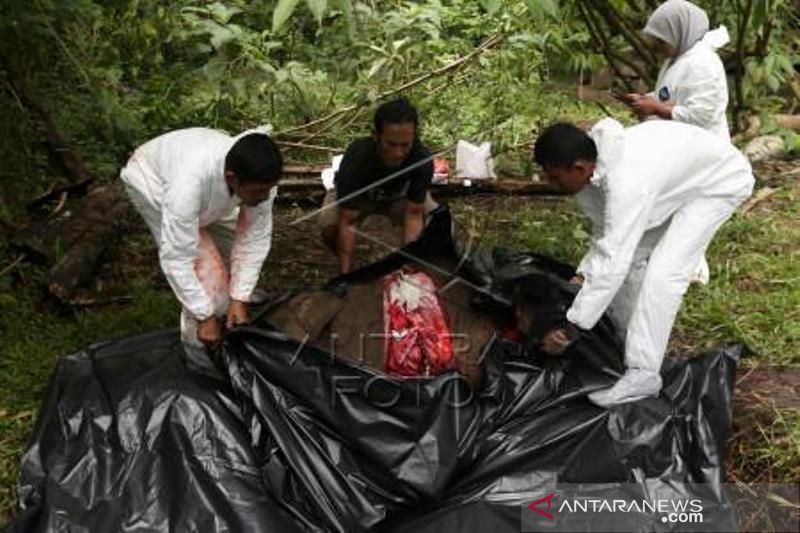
[255, 158]
[562, 144]
[399, 111]
[539, 297]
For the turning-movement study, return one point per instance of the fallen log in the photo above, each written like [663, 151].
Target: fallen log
[303, 170]
[790, 122]
[754, 125]
[96, 225]
[74, 240]
[455, 187]
[507, 186]
[43, 242]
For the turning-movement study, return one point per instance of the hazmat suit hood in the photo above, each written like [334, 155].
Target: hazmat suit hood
[718, 38]
[263, 129]
[608, 135]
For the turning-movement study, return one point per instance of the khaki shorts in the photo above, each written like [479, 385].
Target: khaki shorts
[396, 211]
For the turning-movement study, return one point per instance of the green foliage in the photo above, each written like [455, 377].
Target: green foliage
[754, 294]
[543, 7]
[491, 6]
[144, 66]
[123, 71]
[792, 142]
[319, 8]
[282, 12]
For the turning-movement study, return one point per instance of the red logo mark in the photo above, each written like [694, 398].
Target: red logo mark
[549, 499]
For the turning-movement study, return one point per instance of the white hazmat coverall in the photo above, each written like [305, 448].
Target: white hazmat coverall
[696, 83]
[659, 193]
[210, 248]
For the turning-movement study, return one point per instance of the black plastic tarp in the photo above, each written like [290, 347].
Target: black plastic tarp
[290, 438]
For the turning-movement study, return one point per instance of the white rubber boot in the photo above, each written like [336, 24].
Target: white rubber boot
[635, 384]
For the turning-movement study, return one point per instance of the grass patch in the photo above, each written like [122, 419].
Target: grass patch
[34, 341]
[765, 446]
[754, 293]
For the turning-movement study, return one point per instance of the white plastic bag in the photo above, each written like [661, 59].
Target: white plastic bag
[263, 129]
[474, 162]
[329, 173]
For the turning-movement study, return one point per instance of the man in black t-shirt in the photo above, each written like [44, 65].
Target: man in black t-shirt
[386, 174]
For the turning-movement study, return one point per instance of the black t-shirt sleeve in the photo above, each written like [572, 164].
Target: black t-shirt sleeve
[349, 176]
[420, 179]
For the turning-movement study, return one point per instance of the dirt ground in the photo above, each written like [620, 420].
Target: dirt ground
[299, 258]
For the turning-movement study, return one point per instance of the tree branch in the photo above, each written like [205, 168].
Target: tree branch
[763, 40]
[635, 7]
[620, 24]
[487, 44]
[290, 144]
[603, 43]
[744, 21]
[14, 263]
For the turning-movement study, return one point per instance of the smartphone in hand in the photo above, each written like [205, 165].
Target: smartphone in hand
[620, 95]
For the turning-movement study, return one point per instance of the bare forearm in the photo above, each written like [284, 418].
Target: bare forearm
[412, 227]
[645, 106]
[346, 247]
[664, 111]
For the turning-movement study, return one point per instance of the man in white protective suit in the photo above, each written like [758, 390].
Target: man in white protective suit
[207, 199]
[656, 194]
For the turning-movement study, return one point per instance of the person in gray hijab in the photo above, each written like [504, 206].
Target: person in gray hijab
[692, 86]
[678, 23]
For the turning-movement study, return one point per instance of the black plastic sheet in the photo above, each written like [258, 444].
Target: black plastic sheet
[291, 438]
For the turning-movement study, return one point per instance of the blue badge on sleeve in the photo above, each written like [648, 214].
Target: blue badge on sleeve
[663, 94]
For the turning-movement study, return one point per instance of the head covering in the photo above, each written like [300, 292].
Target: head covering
[609, 137]
[678, 23]
[263, 129]
[717, 38]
